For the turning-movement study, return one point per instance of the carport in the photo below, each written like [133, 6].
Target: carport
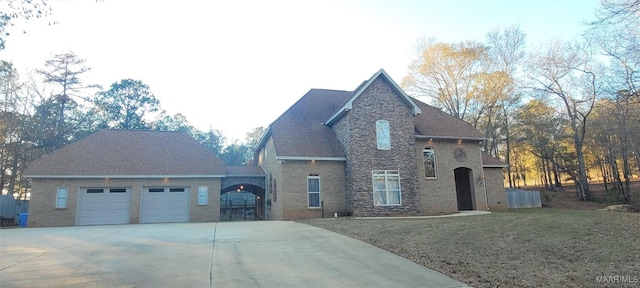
[242, 194]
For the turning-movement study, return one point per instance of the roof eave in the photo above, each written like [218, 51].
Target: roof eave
[338, 114]
[246, 175]
[312, 158]
[121, 176]
[264, 137]
[451, 137]
[495, 165]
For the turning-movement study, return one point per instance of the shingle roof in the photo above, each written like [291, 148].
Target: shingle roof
[301, 132]
[434, 123]
[245, 171]
[128, 153]
[490, 161]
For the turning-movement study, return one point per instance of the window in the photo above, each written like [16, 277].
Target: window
[156, 190]
[383, 136]
[203, 195]
[118, 190]
[95, 190]
[176, 189]
[429, 157]
[386, 188]
[313, 189]
[61, 198]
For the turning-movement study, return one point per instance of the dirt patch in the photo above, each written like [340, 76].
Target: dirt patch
[622, 208]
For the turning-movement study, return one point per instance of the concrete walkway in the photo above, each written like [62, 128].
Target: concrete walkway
[459, 214]
[230, 254]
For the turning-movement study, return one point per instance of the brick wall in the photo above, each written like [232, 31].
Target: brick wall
[357, 133]
[495, 188]
[273, 168]
[42, 211]
[294, 189]
[439, 195]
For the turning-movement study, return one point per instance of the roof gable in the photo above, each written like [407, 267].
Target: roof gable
[348, 104]
[304, 131]
[129, 153]
[299, 131]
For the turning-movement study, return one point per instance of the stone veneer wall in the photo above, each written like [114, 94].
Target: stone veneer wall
[43, 213]
[357, 133]
[343, 133]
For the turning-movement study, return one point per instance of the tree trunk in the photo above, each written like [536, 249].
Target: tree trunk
[508, 151]
[548, 175]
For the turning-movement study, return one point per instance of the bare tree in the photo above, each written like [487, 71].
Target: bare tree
[446, 74]
[564, 71]
[507, 53]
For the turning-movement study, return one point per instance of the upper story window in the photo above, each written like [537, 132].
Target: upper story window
[429, 158]
[383, 135]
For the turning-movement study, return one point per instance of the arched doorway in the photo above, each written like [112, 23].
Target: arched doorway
[242, 202]
[464, 188]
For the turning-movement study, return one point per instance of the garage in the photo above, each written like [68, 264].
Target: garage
[101, 206]
[164, 204]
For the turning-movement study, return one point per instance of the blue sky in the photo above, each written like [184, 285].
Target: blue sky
[236, 65]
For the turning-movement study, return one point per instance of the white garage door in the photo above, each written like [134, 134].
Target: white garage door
[100, 206]
[164, 204]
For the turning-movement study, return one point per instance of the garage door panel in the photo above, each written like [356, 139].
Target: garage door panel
[102, 206]
[164, 204]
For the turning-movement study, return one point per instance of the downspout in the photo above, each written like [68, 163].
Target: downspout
[484, 185]
[484, 181]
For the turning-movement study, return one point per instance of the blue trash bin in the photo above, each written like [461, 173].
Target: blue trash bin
[23, 219]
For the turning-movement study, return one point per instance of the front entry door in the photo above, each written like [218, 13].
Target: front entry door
[464, 190]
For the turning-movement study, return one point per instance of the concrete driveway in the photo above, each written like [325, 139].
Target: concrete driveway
[229, 254]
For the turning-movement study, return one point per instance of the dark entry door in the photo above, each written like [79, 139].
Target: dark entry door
[463, 188]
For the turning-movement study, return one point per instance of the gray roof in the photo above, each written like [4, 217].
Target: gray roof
[245, 171]
[129, 153]
[489, 161]
[301, 131]
[434, 123]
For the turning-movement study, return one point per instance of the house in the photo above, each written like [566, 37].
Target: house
[374, 151]
[122, 177]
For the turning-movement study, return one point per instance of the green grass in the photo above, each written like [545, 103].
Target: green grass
[515, 248]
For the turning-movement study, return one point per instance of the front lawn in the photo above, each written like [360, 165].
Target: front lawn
[517, 248]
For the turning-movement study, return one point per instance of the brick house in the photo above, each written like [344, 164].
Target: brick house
[122, 177]
[374, 151]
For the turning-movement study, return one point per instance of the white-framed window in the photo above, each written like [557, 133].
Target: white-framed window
[429, 159]
[386, 188]
[313, 190]
[61, 197]
[383, 135]
[203, 195]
